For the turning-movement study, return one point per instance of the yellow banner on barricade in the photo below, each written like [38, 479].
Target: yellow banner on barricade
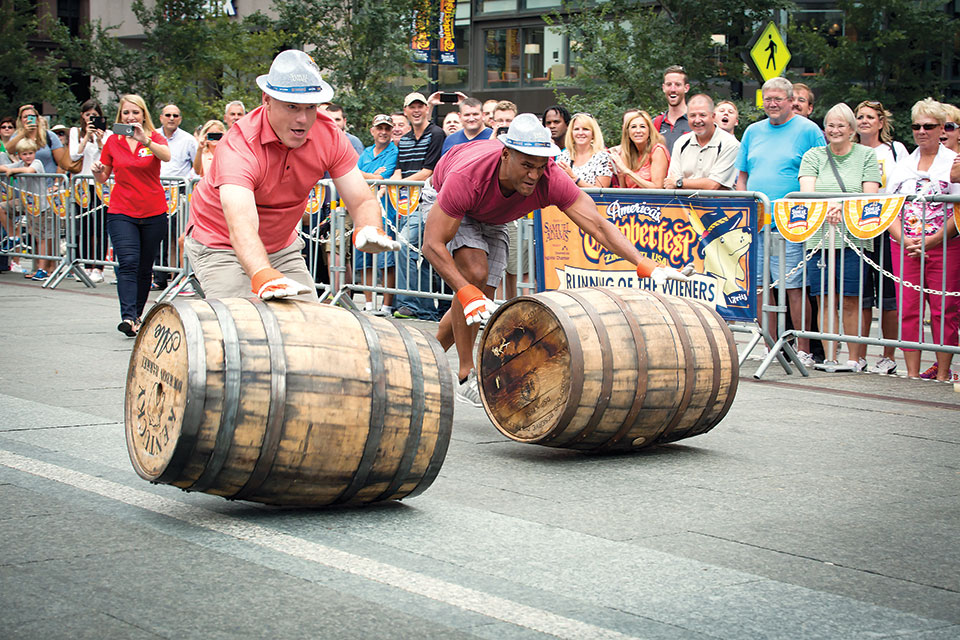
[870, 216]
[797, 220]
[172, 193]
[404, 199]
[31, 202]
[58, 202]
[103, 192]
[81, 193]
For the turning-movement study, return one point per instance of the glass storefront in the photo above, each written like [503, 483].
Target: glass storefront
[524, 57]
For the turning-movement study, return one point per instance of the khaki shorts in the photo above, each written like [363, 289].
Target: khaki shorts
[221, 275]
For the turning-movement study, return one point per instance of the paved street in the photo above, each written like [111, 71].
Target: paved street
[821, 507]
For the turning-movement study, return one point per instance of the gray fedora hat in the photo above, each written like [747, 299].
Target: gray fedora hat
[295, 77]
[528, 136]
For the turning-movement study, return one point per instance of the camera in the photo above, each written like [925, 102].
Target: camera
[124, 129]
[214, 135]
[98, 122]
[448, 97]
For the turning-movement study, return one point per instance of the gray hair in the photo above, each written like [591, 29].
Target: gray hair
[705, 98]
[235, 102]
[843, 111]
[778, 84]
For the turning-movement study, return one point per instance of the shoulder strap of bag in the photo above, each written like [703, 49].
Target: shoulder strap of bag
[836, 172]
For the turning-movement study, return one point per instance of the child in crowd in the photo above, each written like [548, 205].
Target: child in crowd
[26, 149]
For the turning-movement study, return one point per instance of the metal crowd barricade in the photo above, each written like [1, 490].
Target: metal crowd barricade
[838, 329]
[34, 213]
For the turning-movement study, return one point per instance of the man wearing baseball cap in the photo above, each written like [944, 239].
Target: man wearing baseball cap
[244, 215]
[481, 186]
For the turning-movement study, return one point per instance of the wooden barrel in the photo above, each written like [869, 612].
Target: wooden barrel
[288, 403]
[606, 369]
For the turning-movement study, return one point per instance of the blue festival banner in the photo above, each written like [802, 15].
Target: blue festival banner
[715, 235]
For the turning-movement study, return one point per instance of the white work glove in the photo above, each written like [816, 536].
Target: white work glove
[372, 240]
[660, 275]
[476, 306]
[268, 283]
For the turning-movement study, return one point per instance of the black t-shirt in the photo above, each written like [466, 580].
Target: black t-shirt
[419, 154]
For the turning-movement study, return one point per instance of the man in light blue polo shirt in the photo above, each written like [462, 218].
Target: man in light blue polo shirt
[769, 162]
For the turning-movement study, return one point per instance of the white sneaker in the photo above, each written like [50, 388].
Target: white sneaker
[884, 365]
[469, 392]
[806, 359]
[96, 275]
[384, 312]
[857, 366]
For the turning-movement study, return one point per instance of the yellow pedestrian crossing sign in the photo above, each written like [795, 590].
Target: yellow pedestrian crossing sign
[769, 53]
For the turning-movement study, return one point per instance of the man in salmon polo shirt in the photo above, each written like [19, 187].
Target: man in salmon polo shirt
[245, 213]
[476, 189]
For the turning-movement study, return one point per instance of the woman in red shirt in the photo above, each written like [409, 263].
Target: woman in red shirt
[137, 214]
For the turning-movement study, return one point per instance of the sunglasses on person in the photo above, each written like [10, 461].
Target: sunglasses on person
[7, 126]
[950, 126]
[171, 115]
[926, 126]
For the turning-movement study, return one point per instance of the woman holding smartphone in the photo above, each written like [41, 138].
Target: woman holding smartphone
[137, 215]
[86, 142]
[210, 136]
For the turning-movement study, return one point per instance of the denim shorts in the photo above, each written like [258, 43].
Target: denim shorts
[794, 257]
[851, 284]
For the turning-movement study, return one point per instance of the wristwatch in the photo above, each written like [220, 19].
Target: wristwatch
[680, 182]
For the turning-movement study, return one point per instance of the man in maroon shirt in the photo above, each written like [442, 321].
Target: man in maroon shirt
[478, 188]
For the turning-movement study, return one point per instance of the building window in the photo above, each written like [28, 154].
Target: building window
[527, 57]
[497, 6]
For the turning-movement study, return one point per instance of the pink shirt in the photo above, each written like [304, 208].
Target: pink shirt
[467, 184]
[252, 156]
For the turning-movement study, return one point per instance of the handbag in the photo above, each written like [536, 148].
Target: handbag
[70, 166]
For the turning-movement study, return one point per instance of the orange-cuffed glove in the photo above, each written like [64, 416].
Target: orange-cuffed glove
[372, 240]
[476, 306]
[268, 283]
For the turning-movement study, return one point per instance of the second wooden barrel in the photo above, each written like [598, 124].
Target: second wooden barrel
[287, 403]
[606, 369]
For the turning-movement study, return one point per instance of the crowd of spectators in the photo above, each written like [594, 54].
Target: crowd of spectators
[690, 145]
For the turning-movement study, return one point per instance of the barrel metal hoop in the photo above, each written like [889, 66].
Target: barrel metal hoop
[445, 423]
[378, 409]
[576, 366]
[278, 401]
[196, 391]
[417, 409]
[688, 357]
[231, 397]
[642, 374]
[715, 390]
[606, 363]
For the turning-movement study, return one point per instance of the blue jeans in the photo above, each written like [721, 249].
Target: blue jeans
[413, 277]
[135, 244]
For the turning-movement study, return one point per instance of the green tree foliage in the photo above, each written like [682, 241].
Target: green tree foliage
[363, 46]
[894, 51]
[192, 54]
[621, 47]
[27, 77]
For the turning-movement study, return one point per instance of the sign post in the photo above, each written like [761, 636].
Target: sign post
[768, 55]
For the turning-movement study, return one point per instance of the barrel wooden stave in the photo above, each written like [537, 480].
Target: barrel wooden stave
[322, 454]
[684, 346]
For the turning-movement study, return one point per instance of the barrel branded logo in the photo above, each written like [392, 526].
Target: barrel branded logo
[797, 220]
[869, 217]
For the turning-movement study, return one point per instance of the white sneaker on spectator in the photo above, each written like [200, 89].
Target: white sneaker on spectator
[469, 392]
[857, 366]
[884, 365]
[16, 267]
[806, 359]
[386, 311]
[96, 275]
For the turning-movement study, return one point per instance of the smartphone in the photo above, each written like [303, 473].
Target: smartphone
[214, 135]
[448, 97]
[31, 119]
[98, 122]
[124, 129]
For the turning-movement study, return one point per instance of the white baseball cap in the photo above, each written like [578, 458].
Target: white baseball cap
[295, 77]
[528, 136]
